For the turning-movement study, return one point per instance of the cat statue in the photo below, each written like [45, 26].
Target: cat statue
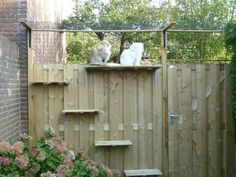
[133, 55]
[100, 54]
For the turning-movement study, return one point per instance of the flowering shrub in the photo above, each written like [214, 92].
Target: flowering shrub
[48, 157]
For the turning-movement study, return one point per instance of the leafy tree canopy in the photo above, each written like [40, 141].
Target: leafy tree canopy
[143, 14]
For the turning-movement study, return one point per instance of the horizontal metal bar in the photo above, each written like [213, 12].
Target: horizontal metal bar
[166, 28]
[197, 31]
[126, 31]
[87, 31]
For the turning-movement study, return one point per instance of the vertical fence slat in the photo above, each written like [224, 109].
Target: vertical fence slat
[84, 81]
[114, 106]
[129, 114]
[157, 120]
[201, 134]
[148, 118]
[106, 116]
[99, 104]
[121, 118]
[173, 124]
[53, 96]
[76, 87]
[195, 124]
[186, 143]
[141, 121]
[60, 107]
[223, 107]
[39, 93]
[69, 104]
[91, 138]
[214, 122]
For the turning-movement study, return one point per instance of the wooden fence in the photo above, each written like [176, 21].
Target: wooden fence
[126, 104]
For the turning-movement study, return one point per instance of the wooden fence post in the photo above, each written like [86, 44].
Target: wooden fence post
[165, 156]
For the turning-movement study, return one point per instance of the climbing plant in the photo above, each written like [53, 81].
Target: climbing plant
[230, 42]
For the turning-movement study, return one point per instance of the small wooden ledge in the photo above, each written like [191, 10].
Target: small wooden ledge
[143, 172]
[81, 111]
[113, 143]
[121, 67]
[50, 83]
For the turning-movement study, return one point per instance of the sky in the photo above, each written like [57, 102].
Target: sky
[68, 6]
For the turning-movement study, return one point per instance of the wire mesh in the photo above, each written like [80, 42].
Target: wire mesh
[183, 47]
[49, 47]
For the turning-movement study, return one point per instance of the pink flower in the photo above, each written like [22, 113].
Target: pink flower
[48, 174]
[68, 162]
[4, 160]
[14, 151]
[92, 169]
[21, 162]
[60, 175]
[107, 170]
[4, 147]
[71, 155]
[50, 143]
[41, 156]
[34, 151]
[18, 147]
[61, 170]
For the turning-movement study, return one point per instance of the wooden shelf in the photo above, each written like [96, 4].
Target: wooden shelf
[50, 83]
[113, 143]
[143, 172]
[122, 67]
[80, 111]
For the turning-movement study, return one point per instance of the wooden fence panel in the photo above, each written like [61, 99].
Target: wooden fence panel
[130, 107]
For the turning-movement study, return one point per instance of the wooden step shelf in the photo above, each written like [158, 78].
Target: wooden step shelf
[81, 111]
[143, 172]
[113, 143]
[122, 67]
[50, 83]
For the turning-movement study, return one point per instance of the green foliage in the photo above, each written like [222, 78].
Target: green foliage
[203, 14]
[197, 47]
[79, 46]
[230, 42]
[48, 157]
[144, 14]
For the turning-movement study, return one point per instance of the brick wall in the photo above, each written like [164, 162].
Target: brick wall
[11, 12]
[9, 90]
[39, 13]
[49, 47]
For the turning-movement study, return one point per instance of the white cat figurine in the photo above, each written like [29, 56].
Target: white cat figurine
[133, 55]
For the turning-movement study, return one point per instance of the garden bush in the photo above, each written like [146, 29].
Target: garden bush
[48, 157]
[230, 42]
